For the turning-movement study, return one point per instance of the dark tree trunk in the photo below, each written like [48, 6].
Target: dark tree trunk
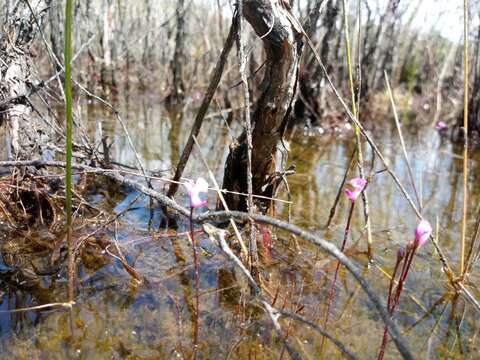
[474, 95]
[283, 48]
[372, 53]
[474, 101]
[178, 86]
[311, 87]
[390, 43]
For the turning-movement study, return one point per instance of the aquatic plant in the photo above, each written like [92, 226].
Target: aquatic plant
[196, 192]
[355, 97]
[68, 141]
[423, 231]
[358, 186]
[465, 199]
[440, 126]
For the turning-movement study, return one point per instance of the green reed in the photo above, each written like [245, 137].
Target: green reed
[69, 134]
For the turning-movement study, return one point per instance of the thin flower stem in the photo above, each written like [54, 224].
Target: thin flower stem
[465, 135]
[413, 251]
[392, 303]
[403, 276]
[389, 305]
[197, 286]
[222, 199]
[339, 192]
[402, 141]
[331, 293]
[68, 146]
[392, 281]
[357, 130]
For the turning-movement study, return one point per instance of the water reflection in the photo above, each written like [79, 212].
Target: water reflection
[114, 317]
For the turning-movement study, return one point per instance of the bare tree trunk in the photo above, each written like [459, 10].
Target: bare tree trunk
[474, 101]
[178, 86]
[390, 42]
[283, 48]
[406, 43]
[329, 22]
[372, 52]
[146, 56]
[441, 79]
[16, 79]
[56, 30]
[107, 72]
[311, 88]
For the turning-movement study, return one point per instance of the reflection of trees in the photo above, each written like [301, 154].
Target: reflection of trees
[176, 121]
[20, 288]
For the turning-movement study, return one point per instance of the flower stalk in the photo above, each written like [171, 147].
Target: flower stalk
[357, 187]
[422, 234]
[196, 191]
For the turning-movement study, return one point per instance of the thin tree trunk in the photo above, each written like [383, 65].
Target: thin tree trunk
[384, 34]
[178, 86]
[207, 99]
[56, 30]
[311, 100]
[474, 102]
[107, 72]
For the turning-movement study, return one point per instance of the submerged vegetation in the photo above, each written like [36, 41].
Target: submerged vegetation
[345, 137]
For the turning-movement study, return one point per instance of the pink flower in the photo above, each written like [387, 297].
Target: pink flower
[440, 126]
[195, 190]
[358, 185]
[422, 233]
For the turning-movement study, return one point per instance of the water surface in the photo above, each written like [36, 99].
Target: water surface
[114, 317]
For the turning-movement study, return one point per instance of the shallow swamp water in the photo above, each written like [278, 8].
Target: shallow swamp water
[114, 317]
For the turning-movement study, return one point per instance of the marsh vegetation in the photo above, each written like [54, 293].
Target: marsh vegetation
[239, 179]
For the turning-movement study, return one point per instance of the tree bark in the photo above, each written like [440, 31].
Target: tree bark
[56, 30]
[178, 86]
[474, 101]
[107, 70]
[310, 104]
[25, 133]
[283, 46]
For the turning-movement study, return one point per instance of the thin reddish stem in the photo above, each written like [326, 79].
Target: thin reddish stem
[197, 286]
[389, 306]
[331, 293]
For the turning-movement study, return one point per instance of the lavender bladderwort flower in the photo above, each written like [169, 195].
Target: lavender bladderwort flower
[197, 195]
[440, 126]
[195, 191]
[358, 185]
[422, 234]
